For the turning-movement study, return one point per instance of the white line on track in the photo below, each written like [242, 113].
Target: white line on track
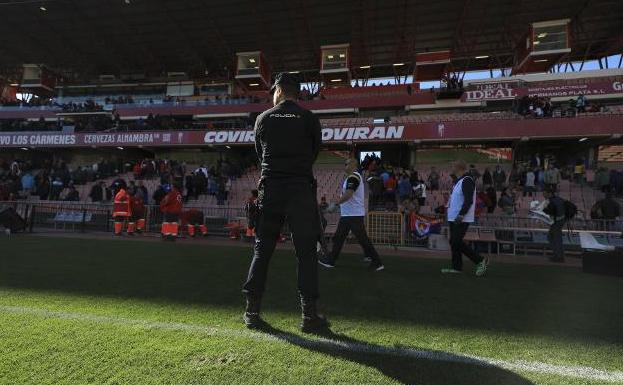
[582, 372]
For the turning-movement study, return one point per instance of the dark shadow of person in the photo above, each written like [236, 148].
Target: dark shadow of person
[403, 364]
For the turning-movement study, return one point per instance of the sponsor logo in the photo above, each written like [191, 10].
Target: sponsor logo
[229, 137]
[118, 138]
[328, 134]
[617, 86]
[486, 94]
[38, 140]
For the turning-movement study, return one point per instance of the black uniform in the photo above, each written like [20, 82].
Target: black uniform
[287, 142]
[556, 210]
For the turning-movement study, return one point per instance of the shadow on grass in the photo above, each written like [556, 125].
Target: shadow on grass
[407, 366]
[531, 300]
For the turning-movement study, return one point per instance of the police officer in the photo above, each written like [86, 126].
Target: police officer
[287, 142]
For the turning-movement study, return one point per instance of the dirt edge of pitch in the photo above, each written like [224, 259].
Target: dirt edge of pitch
[395, 251]
[581, 372]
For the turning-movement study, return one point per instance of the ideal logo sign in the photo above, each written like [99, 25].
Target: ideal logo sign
[494, 91]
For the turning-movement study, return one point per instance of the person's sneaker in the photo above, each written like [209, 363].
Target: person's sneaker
[450, 270]
[253, 320]
[481, 268]
[367, 259]
[376, 266]
[314, 324]
[326, 261]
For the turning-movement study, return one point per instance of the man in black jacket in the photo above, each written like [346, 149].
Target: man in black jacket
[287, 142]
[556, 210]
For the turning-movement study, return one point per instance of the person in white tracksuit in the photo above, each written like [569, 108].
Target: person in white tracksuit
[353, 212]
[461, 208]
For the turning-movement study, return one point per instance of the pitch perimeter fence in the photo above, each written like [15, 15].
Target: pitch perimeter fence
[384, 228]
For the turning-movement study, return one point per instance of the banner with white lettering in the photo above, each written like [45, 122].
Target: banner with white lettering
[183, 138]
[512, 90]
[426, 131]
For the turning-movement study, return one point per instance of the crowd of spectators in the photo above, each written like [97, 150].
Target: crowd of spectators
[394, 188]
[87, 106]
[542, 107]
[35, 101]
[49, 180]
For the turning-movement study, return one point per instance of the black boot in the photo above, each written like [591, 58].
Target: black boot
[251, 316]
[312, 321]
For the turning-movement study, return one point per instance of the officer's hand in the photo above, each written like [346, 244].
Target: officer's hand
[458, 219]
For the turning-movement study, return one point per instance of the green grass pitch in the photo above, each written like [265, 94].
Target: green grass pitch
[82, 311]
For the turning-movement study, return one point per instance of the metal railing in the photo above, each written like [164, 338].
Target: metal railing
[384, 228]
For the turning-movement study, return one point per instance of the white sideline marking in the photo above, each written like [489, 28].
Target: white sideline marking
[583, 372]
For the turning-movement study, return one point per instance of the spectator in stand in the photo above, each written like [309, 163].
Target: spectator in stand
[499, 178]
[199, 183]
[227, 187]
[141, 192]
[404, 188]
[433, 179]
[28, 183]
[158, 195]
[581, 103]
[492, 199]
[602, 180]
[487, 178]
[72, 194]
[529, 185]
[616, 182]
[376, 188]
[419, 192]
[506, 202]
[190, 186]
[474, 172]
[578, 171]
[390, 188]
[43, 188]
[540, 178]
[57, 188]
[100, 193]
[221, 195]
[514, 178]
[552, 177]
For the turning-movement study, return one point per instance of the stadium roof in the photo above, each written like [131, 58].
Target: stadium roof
[92, 37]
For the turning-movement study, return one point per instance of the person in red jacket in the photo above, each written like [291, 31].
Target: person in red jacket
[137, 209]
[121, 211]
[171, 208]
[193, 219]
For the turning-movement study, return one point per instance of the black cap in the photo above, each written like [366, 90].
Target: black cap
[285, 78]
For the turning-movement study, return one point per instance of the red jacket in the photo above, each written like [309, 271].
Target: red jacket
[137, 206]
[121, 204]
[172, 202]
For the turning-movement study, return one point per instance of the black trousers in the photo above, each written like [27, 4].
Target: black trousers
[554, 236]
[460, 248]
[356, 225]
[295, 201]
